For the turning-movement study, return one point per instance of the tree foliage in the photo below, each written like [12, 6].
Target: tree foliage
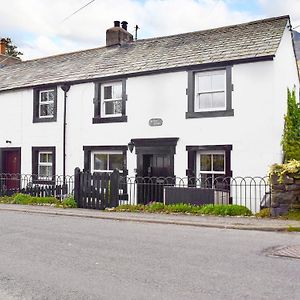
[291, 133]
[11, 49]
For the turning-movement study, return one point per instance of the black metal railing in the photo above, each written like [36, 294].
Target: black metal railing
[56, 186]
[248, 191]
[100, 190]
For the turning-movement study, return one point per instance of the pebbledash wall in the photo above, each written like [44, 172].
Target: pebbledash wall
[258, 100]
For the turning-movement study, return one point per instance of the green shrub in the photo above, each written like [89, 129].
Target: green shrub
[291, 134]
[292, 215]
[264, 213]
[69, 202]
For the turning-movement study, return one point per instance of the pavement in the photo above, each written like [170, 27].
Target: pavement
[240, 223]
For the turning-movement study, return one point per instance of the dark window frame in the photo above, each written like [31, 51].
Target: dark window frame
[35, 161]
[36, 104]
[89, 149]
[98, 105]
[190, 114]
[192, 161]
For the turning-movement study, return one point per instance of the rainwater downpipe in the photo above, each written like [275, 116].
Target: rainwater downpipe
[65, 87]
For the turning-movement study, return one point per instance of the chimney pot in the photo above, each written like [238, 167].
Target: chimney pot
[124, 25]
[117, 23]
[3, 44]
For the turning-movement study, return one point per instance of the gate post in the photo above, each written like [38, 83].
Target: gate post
[114, 188]
[77, 186]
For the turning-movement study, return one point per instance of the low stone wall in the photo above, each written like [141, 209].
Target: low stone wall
[285, 195]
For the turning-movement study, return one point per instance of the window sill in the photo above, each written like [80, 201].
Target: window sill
[209, 114]
[44, 120]
[110, 120]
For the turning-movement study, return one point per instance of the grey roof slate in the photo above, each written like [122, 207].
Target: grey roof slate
[249, 40]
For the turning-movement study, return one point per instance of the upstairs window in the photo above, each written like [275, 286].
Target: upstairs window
[45, 105]
[209, 93]
[110, 102]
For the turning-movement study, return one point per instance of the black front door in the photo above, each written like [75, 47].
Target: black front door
[155, 167]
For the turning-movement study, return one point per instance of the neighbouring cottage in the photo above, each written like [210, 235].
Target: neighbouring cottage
[206, 103]
[6, 60]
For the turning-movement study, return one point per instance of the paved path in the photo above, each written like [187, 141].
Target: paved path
[243, 223]
[46, 256]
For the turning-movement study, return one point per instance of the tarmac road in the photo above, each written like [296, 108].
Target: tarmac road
[60, 257]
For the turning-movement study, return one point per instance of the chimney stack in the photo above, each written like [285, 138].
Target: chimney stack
[118, 35]
[3, 45]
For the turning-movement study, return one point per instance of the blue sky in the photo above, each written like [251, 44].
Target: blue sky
[36, 26]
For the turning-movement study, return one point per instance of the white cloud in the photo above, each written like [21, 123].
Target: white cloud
[282, 7]
[36, 27]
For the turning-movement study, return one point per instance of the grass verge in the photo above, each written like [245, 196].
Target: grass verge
[25, 199]
[208, 209]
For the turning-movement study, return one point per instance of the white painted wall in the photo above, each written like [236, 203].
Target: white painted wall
[259, 103]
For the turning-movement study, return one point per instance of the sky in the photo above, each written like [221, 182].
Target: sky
[39, 27]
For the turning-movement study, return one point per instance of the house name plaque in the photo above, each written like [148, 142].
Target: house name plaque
[155, 122]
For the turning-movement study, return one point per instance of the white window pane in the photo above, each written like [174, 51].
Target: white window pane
[205, 101]
[205, 162]
[218, 82]
[218, 100]
[218, 162]
[113, 107]
[108, 92]
[44, 96]
[45, 171]
[46, 110]
[117, 91]
[100, 161]
[51, 96]
[204, 83]
[115, 161]
[43, 157]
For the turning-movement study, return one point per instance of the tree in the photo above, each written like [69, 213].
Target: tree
[11, 49]
[291, 133]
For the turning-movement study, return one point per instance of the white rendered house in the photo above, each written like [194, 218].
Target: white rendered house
[206, 103]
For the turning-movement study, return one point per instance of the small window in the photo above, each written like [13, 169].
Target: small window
[209, 93]
[210, 165]
[110, 102]
[43, 164]
[45, 105]
[107, 161]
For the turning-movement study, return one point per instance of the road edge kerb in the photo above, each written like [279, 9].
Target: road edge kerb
[143, 220]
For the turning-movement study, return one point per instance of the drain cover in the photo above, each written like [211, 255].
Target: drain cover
[286, 251]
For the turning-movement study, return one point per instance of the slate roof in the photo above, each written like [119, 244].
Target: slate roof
[244, 41]
[8, 60]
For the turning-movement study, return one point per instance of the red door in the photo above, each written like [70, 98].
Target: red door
[11, 167]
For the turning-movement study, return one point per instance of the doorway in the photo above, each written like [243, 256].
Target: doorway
[11, 168]
[155, 167]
